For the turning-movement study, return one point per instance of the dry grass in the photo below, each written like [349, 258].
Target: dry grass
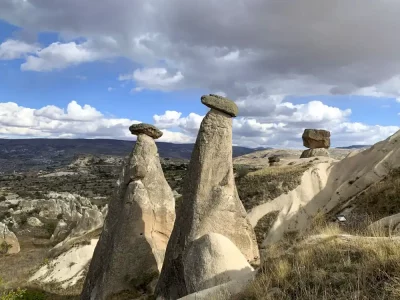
[266, 184]
[381, 199]
[330, 264]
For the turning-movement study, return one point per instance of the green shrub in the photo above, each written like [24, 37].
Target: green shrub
[4, 247]
[242, 171]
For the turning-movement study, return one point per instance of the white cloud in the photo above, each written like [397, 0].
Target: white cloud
[75, 112]
[14, 49]
[110, 89]
[153, 79]
[168, 119]
[77, 121]
[173, 119]
[62, 55]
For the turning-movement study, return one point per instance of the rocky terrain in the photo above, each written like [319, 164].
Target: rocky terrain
[217, 227]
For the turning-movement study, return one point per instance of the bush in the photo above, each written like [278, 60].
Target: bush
[21, 294]
[242, 171]
[4, 247]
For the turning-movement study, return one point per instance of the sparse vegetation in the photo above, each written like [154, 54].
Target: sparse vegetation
[329, 265]
[266, 184]
[382, 199]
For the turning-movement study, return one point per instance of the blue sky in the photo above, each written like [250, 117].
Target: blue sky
[86, 76]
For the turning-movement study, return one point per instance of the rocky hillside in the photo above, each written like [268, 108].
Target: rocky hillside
[47, 154]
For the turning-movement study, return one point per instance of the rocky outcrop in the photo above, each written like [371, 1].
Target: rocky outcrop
[91, 220]
[140, 218]
[316, 138]
[315, 153]
[8, 241]
[210, 202]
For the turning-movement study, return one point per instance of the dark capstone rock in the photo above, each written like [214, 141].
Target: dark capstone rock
[220, 103]
[316, 138]
[146, 129]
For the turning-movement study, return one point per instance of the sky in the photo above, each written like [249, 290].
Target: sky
[90, 69]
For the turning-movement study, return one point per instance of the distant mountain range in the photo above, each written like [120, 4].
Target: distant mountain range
[354, 147]
[34, 154]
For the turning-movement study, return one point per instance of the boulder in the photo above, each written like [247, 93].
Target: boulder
[314, 153]
[146, 129]
[140, 218]
[34, 222]
[8, 241]
[210, 203]
[212, 260]
[221, 104]
[316, 138]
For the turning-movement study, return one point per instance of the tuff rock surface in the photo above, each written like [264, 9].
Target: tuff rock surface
[212, 260]
[315, 152]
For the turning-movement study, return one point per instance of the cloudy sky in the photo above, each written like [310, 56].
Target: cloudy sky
[73, 68]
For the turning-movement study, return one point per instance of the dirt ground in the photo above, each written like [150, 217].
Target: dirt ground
[16, 269]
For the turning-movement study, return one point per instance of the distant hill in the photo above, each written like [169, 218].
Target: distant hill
[355, 147]
[28, 154]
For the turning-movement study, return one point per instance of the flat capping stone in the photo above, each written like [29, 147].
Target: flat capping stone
[220, 103]
[147, 129]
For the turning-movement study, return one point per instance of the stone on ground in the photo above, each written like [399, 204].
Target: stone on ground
[34, 222]
[210, 203]
[140, 218]
[316, 138]
[8, 241]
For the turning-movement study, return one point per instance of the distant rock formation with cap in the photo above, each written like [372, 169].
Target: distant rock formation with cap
[140, 218]
[318, 141]
[210, 205]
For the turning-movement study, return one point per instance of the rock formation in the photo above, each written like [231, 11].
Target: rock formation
[130, 252]
[210, 203]
[318, 141]
[8, 241]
